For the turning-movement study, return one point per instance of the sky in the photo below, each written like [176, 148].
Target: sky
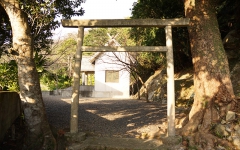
[100, 9]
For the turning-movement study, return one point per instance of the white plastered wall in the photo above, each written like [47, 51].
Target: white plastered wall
[108, 61]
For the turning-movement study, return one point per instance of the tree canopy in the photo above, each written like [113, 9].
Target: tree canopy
[43, 18]
[99, 36]
[163, 9]
[228, 16]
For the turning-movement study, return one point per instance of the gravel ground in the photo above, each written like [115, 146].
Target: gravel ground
[108, 117]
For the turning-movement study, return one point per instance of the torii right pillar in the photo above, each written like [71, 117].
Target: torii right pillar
[170, 83]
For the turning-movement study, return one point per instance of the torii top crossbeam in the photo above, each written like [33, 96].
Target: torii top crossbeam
[178, 22]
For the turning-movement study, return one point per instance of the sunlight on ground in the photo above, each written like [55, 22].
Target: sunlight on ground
[92, 111]
[67, 100]
[112, 116]
[116, 116]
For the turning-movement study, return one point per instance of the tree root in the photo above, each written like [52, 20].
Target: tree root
[204, 140]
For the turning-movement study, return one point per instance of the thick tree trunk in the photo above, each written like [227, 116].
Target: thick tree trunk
[39, 135]
[213, 88]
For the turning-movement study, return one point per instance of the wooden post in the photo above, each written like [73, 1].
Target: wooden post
[170, 83]
[86, 78]
[83, 79]
[76, 83]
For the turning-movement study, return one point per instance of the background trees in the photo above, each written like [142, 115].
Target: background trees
[42, 19]
[57, 67]
[9, 80]
[156, 36]
[148, 62]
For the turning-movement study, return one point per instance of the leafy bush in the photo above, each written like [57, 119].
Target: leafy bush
[57, 80]
[9, 76]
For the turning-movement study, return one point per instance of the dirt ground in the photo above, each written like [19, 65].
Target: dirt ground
[108, 117]
[108, 124]
[113, 123]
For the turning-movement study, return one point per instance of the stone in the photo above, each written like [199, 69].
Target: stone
[238, 132]
[223, 122]
[228, 129]
[74, 147]
[164, 101]
[185, 143]
[75, 137]
[150, 95]
[175, 140]
[220, 131]
[230, 138]
[236, 142]
[230, 116]
[234, 134]
[219, 147]
[236, 127]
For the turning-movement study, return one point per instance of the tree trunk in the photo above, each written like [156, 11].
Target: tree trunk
[212, 85]
[39, 135]
[138, 92]
[145, 89]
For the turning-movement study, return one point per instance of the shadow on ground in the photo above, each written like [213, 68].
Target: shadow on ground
[112, 123]
[108, 117]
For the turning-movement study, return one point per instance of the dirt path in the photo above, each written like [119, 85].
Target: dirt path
[109, 117]
[114, 123]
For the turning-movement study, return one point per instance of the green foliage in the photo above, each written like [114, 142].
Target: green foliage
[151, 60]
[91, 79]
[8, 80]
[67, 46]
[228, 16]
[40, 61]
[96, 37]
[99, 36]
[5, 31]
[161, 9]
[56, 74]
[42, 19]
[57, 80]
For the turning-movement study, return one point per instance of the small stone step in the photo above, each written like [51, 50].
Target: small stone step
[75, 137]
[106, 143]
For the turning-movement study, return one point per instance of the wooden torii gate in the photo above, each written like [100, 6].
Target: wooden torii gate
[161, 23]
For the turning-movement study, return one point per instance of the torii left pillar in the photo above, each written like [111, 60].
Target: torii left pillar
[76, 82]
